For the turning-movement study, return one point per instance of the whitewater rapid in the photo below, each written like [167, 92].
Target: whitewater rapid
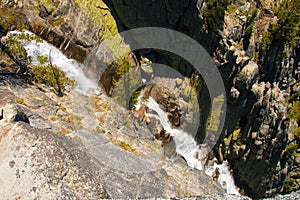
[186, 146]
[225, 177]
[69, 66]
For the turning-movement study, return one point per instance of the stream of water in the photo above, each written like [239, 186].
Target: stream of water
[186, 146]
[69, 66]
[225, 177]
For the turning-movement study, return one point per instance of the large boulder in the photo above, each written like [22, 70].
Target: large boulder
[167, 100]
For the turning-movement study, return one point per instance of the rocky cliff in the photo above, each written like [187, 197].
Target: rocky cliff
[259, 138]
[255, 45]
[84, 147]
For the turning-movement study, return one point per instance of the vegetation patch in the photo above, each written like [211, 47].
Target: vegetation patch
[9, 19]
[124, 82]
[289, 185]
[78, 121]
[123, 145]
[46, 73]
[294, 112]
[290, 151]
[218, 102]
[51, 75]
[58, 21]
[99, 130]
[213, 14]
[20, 101]
[287, 27]
[100, 15]
[249, 30]
[134, 100]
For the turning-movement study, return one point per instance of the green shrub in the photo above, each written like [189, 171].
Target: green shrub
[51, 76]
[289, 186]
[250, 22]
[294, 112]
[42, 59]
[10, 19]
[287, 28]
[57, 21]
[12, 46]
[290, 151]
[133, 100]
[125, 81]
[294, 97]
[213, 13]
[296, 132]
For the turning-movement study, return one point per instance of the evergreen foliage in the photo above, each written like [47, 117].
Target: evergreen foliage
[133, 100]
[11, 20]
[214, 13]
[287, 28]
[51, 75]
[249, 28]
[294, 112]
[124, 82]
[46, 73]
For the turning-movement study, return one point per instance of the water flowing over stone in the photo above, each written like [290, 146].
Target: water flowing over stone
[69, 66]
[186, 146]
[224, 176]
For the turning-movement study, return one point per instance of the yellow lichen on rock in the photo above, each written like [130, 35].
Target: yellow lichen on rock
[100, 15]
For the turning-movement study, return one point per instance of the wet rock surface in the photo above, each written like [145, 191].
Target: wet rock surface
[166, 99]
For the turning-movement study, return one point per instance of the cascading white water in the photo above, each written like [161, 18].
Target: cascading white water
[224, 177]
[186, 146]
[69, 66]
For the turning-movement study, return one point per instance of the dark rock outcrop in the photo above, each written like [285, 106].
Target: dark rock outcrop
[257, 93]
[168, 101]
[14, 113]
[1, 113]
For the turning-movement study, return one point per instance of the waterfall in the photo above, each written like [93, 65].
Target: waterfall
[186, 146]
[69, 66]
[225, 178]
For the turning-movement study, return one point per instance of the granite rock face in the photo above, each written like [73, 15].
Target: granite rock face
[258, 132]
[85, 147]
[63, 24]
[258, 138]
